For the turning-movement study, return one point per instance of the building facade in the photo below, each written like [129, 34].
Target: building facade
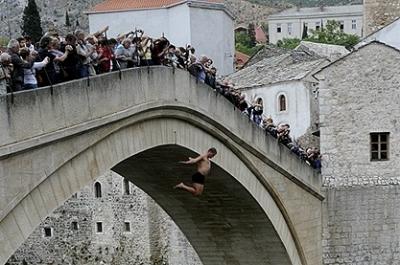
[293, 22]
[283, 83]
[182, 22]
[110, 221]
[360, 142]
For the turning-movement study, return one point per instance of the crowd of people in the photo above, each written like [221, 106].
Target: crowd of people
[281, 131]
[54, 59]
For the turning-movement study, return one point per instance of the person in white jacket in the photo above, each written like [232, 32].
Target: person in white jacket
[30, 81]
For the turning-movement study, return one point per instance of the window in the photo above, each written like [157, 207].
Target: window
[354, 24]
[126, 187]
[341, 23]
[99, 227]
[278, 28]
[127, 226]
[290, 28]
[74, 225]
[282, 103]
[97, 190]
[47, 232]
[317, 25]
[379, 146]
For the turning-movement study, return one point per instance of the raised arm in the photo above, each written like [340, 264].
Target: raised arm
[192, 160]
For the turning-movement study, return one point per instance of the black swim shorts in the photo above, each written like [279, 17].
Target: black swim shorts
[198, 178]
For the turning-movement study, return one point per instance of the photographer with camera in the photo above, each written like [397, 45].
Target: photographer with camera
[124, 54]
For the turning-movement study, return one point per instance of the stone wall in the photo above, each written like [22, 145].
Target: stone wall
[379, 13]
[154, 238]
[359, 95]
[361, 225]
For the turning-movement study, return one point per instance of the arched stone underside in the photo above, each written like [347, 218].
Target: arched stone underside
[225, 225]
[251, 205]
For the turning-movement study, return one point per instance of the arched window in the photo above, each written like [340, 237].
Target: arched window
[282, 103]
[97, 190]
[126, 187]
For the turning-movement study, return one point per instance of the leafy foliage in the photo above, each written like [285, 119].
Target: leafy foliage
[4, 41]
[305, 3]
[252, 35]
[332, 34]
[245, 44]
[328, 34]
[31, 21]
[288, 43]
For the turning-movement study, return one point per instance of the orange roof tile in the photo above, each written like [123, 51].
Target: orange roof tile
[261, 37]
[241, 58]
[120, 5]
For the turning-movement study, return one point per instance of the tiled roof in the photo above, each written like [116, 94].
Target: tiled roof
[286, 67]
[241, 58]
[329, 51]
[121, 5]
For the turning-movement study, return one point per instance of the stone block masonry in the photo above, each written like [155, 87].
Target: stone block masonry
[135, 231]
[359, 95]
[361, 225]
[379, 13]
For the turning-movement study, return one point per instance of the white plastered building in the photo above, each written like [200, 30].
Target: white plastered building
[292, 22]
[206, 25]
[390, 35]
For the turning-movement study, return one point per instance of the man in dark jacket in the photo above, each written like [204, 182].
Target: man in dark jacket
[17, 75]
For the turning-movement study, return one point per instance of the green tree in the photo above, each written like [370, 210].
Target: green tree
[243, 44]
[304, 34]
[31, 21]
[288, 43]
[332, 33]
[67, 22]
[4, 41]
[252, 35]
[243, 39]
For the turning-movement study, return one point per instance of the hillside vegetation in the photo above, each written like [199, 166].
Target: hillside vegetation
[304, 3]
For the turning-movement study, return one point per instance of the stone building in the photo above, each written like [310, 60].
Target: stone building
[110, 221]
[283, 83]
[379, 13]
[292, 22]
[360, 142]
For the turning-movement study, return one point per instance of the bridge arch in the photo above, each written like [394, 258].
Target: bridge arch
[146, 130]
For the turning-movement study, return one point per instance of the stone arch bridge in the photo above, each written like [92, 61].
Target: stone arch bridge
[261, 205]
